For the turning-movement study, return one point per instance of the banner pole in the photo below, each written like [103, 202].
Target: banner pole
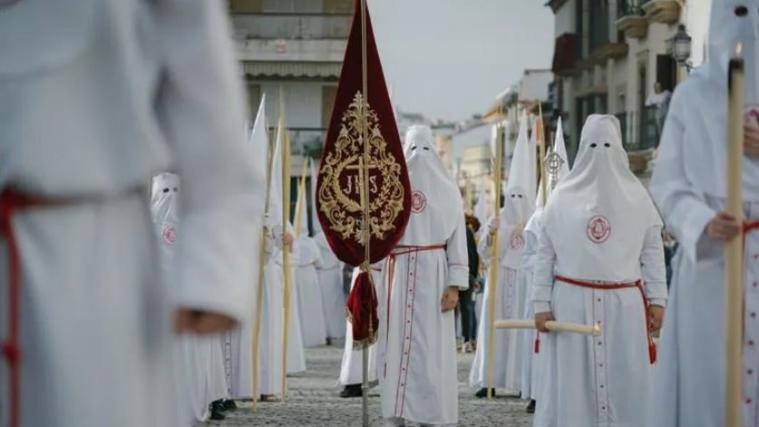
[494, 258]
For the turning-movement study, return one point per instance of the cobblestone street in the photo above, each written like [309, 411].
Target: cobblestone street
[314, 401]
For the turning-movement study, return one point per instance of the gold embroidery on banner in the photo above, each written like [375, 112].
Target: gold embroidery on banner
[342, 204]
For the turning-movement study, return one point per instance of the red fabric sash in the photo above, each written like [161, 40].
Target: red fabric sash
[601, 286]
[748, 228]
[401, 250]
[12, 202]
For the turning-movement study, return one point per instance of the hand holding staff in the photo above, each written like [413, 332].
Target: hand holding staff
[551, 325]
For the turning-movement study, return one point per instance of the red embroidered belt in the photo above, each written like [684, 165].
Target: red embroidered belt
[602, 286]
[12, 202]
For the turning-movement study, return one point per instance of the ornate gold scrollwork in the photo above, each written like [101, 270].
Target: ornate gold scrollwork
[345, 163]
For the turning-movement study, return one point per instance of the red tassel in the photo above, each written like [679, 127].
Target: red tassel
[537, 343]
[362, 311]
[652, 352]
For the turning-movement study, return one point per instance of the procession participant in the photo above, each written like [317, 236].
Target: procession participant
[689, 185]
[331, 285]
[306, 257]
[108, 94]
[518, 206]
[198, 367]
[425, 272]
[600, 260]
[238, 345]
[350, 366]
[556, 168]
[330, 276]
[270, 344]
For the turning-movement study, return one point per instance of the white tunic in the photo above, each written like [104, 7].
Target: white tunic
[689, 389]
[198, 368]
[532, 360]
[94, 106]
[351, 368]
[296, 354]
[330, 271]
[310, 306]
[510, 300]
[599, 226]
[420, 383]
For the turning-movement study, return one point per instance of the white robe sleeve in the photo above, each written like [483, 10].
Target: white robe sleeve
[530, 249]
[458, 257]
[681, 204]
[201, 110]
[543, 278]
[652, 267]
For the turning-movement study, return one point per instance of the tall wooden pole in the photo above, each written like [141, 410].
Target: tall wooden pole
[255, 344]
[542, 150]
[302, 201]
[364, 178]
[734, 249]
[285, 145]
[495, 251]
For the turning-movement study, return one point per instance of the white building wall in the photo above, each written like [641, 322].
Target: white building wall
[696, 20]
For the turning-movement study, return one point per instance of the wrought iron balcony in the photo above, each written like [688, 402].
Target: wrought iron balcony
[631, 18]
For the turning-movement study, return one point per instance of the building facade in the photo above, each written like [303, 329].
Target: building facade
[293, 49]
[296, 46]
[608, 57]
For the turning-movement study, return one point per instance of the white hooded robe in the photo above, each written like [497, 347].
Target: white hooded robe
[96, 99]
[510, 293]
[199, 368]
[599, 226]
[420, 383]
[689, 186]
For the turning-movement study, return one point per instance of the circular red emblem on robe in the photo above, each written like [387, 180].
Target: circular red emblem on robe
[599, 229]
[517, 241]
[169, 234]
[418, 201]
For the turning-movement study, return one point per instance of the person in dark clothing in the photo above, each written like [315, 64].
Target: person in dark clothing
[466, 299]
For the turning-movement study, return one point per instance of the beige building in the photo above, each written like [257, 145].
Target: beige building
[608, 56]
[296, 46]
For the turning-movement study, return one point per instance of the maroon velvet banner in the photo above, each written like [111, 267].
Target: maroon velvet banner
[339, 182]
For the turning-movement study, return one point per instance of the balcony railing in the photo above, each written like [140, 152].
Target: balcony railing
[630, 7]
[291, 27]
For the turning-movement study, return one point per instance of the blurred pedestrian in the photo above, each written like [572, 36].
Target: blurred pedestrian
[466, 297]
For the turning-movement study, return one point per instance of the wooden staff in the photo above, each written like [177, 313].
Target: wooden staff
[285, 146]
[495, 251]
[734, 249]
[255, 344]
[363, 170]
[575, 328]
[542, 143]
[302, 200]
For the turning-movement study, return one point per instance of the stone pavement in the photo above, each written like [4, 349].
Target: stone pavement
[313, 401]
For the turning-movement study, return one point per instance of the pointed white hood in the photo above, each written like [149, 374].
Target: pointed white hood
[705, 94]
[433, 190]
[163, 202]
[600, 211]
[519, 198]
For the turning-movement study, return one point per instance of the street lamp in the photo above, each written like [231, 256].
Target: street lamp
[681, 47]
